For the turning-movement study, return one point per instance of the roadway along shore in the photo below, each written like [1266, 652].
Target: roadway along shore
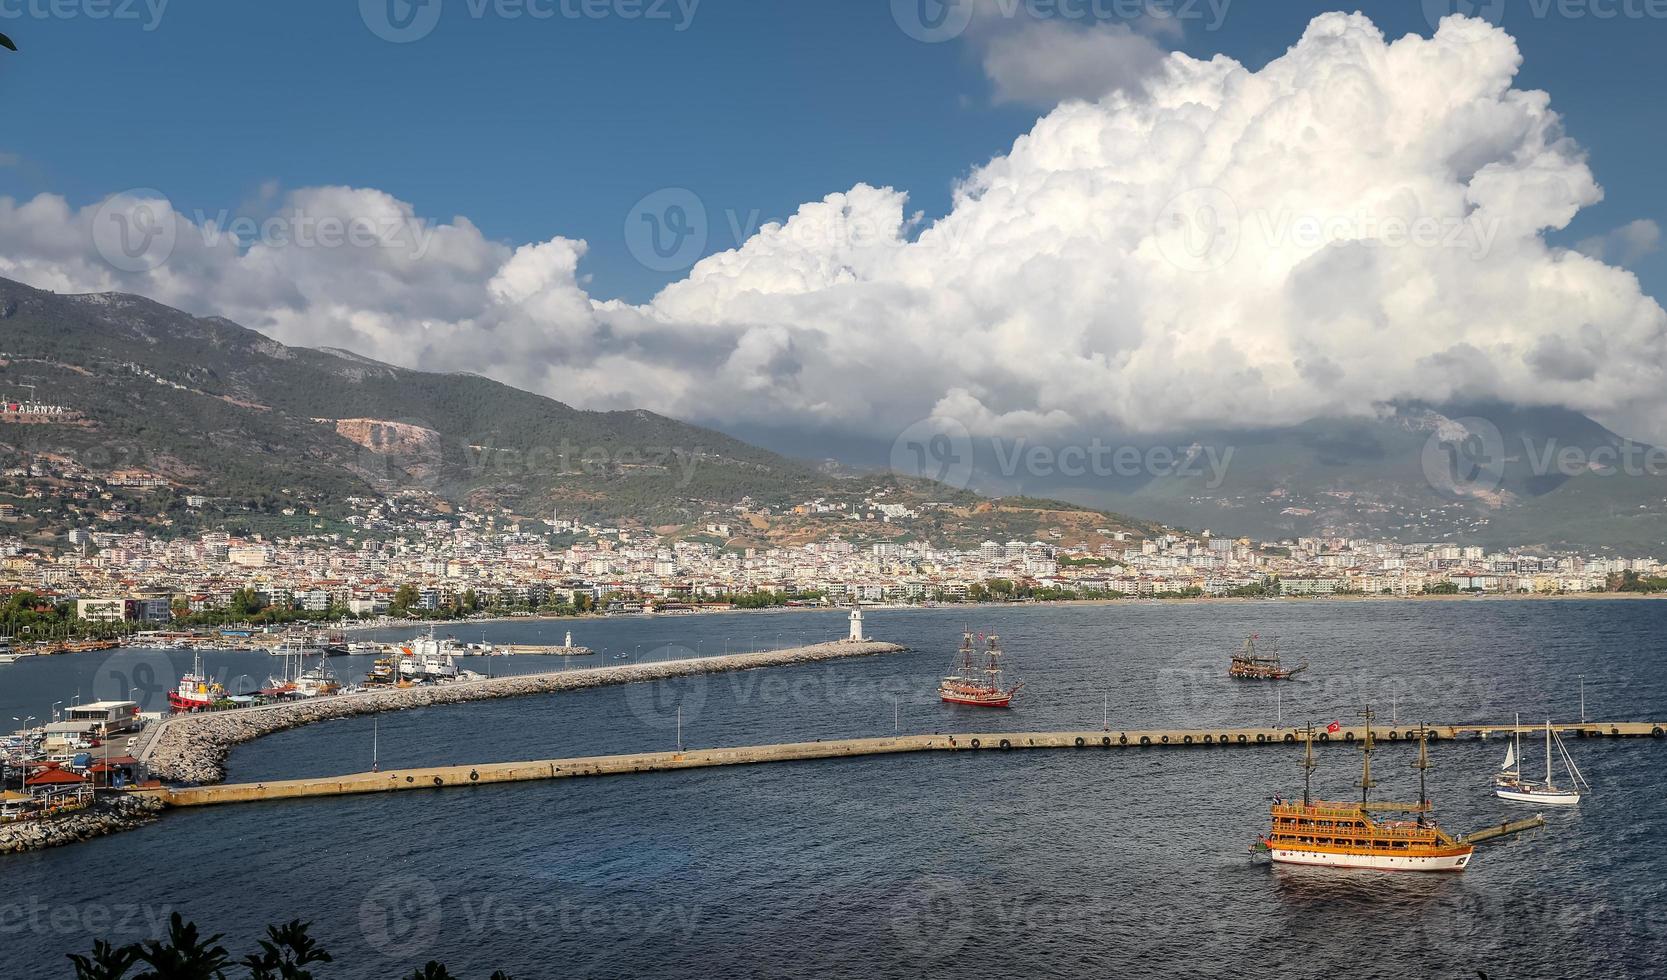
[193, 748]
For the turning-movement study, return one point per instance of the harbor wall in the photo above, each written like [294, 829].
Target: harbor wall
[193, 748]
[442, 777]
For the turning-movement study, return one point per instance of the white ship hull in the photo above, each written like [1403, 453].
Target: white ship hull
[1541, 797]
[1374, 862]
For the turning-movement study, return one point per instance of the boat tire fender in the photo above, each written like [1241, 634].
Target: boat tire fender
[1348, 736]
[474, 776]
[1121, 740]
[1261, 737]
[1081, 741]
[1656, 732]
[438, 781]
[975, 743]
[1289, 737]
[1005, 745]
[1325, 736]
[1186, 739]
[1245, 738]
[1144, 739]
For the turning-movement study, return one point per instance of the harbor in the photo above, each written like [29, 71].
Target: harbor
[862, 754]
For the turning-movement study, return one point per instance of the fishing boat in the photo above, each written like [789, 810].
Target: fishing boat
[1261, 664]
[1512, 786]
[317, 681]
[975, 685]
[196, 691]
[10, 654]
[1355, 835]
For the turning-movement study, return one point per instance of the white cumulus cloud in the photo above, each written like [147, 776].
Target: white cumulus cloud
[1361, 220]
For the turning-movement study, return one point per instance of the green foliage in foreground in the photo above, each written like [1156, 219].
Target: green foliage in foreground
[285, 954]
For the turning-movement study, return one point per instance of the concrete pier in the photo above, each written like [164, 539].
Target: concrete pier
[509, 772]
[193, 747]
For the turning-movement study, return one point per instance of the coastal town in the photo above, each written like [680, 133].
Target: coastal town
[479, 563]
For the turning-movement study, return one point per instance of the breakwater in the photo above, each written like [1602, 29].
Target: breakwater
[440, 777]
[107, 815]
[193, 748]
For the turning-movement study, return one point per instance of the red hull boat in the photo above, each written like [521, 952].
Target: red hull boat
[978, 686]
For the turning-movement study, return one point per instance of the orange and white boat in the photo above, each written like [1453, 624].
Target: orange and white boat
[1351, 835]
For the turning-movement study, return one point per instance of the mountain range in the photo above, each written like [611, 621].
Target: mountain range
[211, 408]
[1487, 474]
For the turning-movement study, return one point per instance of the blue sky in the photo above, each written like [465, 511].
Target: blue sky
[532, 128]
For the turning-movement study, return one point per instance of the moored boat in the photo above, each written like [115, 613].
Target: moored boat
[1352, 835]
[196, 691]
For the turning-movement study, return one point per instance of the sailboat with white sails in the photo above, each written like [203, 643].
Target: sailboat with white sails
[1511, 785]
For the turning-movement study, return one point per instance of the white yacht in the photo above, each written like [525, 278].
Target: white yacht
[1512, 786]
[11, 655]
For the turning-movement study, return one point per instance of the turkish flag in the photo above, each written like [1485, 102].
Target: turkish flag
[1334, 727]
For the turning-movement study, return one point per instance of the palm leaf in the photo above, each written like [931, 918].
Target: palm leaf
[6, 42]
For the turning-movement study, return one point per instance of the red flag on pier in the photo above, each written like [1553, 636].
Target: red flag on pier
[1334, 727]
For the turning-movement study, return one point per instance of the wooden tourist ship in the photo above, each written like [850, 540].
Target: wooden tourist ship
[1254, 664]
[1355, 835]
[978, 685]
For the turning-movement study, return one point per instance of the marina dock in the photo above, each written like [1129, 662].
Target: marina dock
[510, 772]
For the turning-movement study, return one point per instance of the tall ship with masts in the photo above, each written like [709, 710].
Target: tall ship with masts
[978, 682]
[1355, 835]
[1253, 663]
[1513, 786]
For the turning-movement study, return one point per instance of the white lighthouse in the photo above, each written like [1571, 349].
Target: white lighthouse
[856, 624]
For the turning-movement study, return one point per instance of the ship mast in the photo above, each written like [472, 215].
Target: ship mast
[1423, 766]
[1366, 781]
[1308, 767]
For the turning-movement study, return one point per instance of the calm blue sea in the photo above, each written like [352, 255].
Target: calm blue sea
[1095, 863]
